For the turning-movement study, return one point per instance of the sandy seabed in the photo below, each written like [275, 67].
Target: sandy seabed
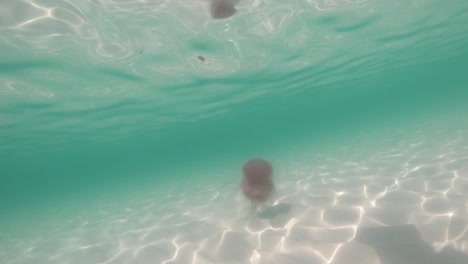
[402, 200]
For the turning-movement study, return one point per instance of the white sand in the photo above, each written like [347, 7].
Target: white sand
[404, 201]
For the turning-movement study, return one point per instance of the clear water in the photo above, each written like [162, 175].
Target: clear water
[105, 102]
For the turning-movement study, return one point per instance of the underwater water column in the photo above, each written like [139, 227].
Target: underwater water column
[147, 131]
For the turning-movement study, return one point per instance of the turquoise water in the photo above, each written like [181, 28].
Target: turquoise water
[108, 98]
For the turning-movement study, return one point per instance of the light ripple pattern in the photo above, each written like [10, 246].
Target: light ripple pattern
[123, 124]
[94, 54]
[400, 199]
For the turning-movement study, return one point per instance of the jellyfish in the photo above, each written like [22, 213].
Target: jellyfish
[222, 8]
[257, 183]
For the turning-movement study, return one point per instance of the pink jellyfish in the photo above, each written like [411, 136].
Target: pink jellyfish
[257, 183]
[221, 9]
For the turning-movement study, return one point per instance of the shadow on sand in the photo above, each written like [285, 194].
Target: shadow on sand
[403, 245]
[400, 244]
[274, 211]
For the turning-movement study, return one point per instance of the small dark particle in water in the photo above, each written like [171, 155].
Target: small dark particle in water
[222, 9]
[201, 58]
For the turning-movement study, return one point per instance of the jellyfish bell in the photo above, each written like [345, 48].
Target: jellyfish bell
[257, 182]
[221, 9]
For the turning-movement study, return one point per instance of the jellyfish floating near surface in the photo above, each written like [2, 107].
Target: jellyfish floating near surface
[257, 183]
[221, 9]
